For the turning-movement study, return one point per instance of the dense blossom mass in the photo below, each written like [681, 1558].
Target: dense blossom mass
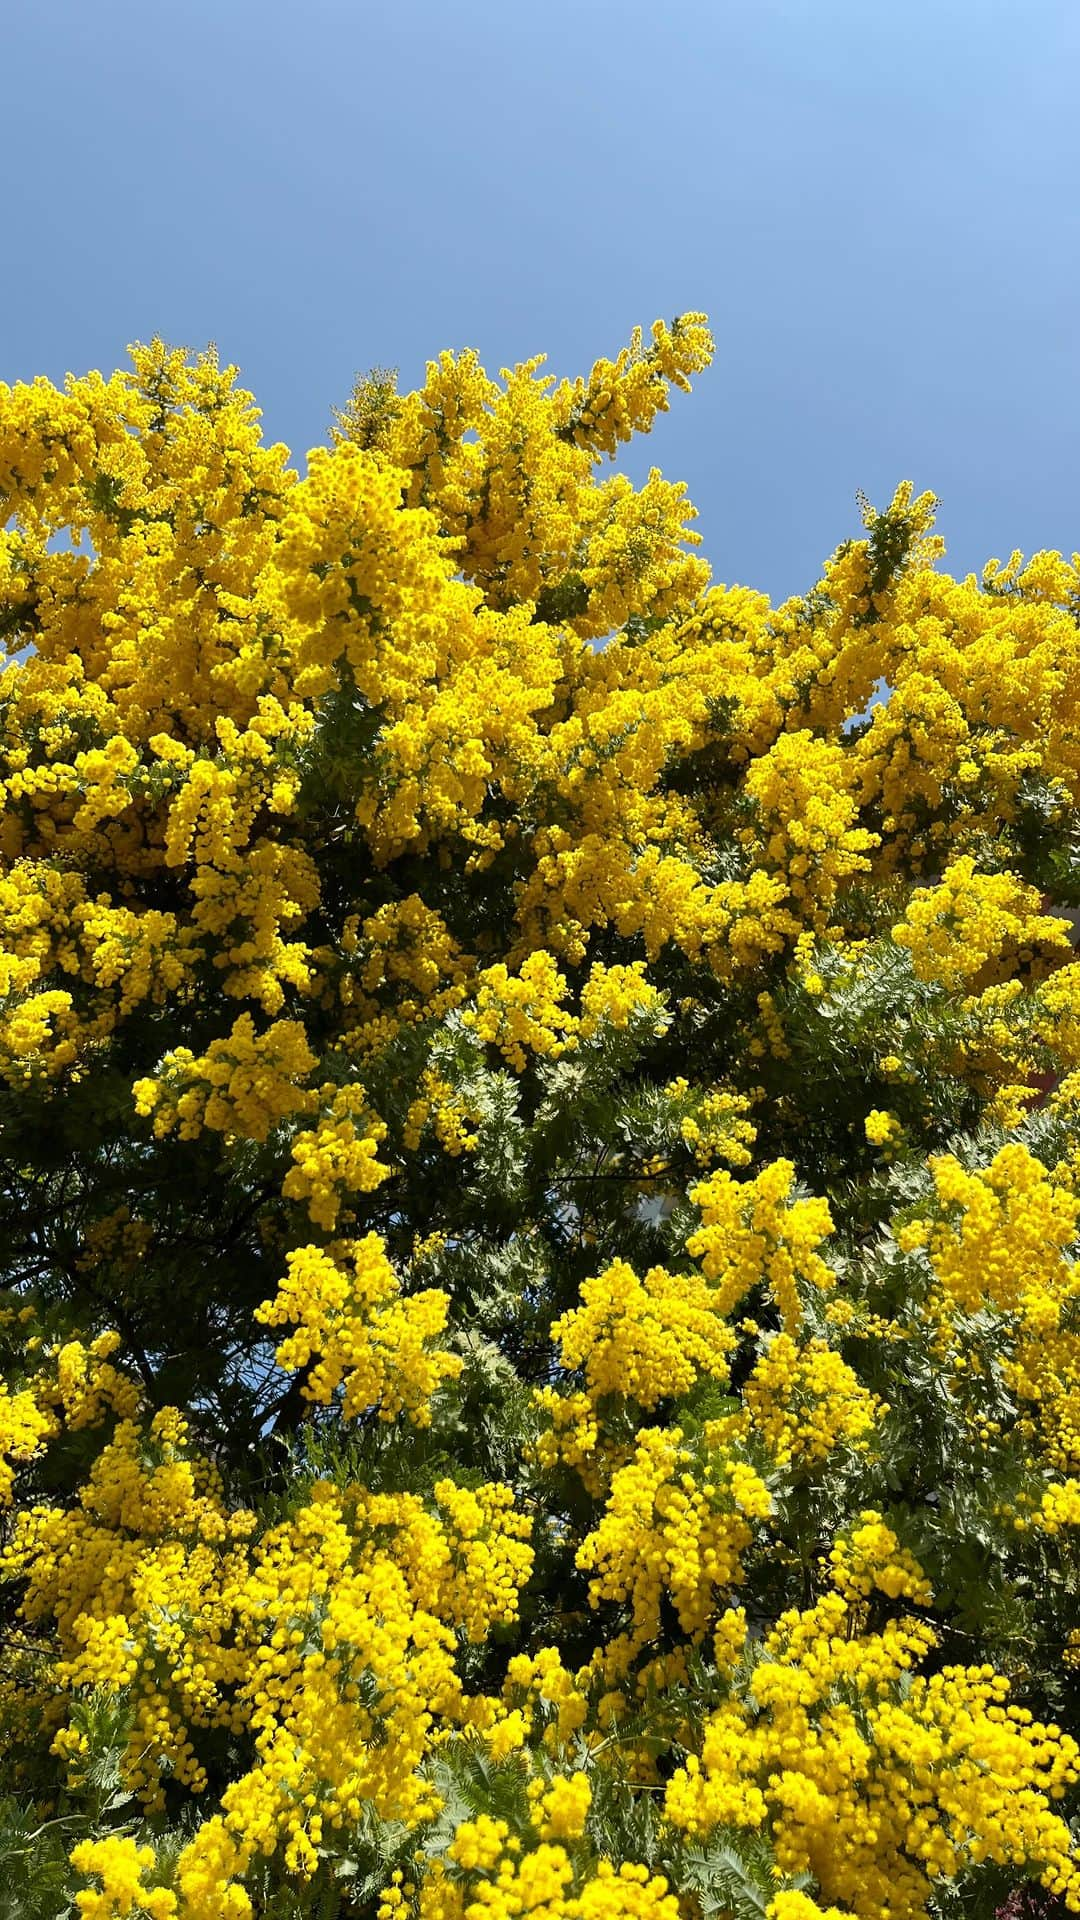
[540, 1106]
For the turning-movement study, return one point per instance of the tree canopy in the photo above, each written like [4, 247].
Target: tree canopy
[540, 1113]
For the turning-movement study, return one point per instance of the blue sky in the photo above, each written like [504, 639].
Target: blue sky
[878, 206]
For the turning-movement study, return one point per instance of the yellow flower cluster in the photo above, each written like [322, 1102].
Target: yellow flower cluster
[524, 1013]
[513, 1014]
[342, 1676]
[540, 1882]
[572, 1437]
[647, 1338]
[873, 1779]
[243, 1085]
[804, 791]
[882, 1128]
[713, 1122]
[612, 996]
[448, 1113]
[119, 1864]
[80, 1381]
[753, 1233]
[405, 943]
[805, 1402]
[668, 1531]
[1000, 1242]
[622, 397]
[24, 1428]
[338, 1157]
[149, 1546]
[1002, 1232]
[510, 473]
[488, 1562]
[796, 1905]
[870, 1558]
[562, 1808]
[249, 1083]
[538, 1686]
[326, 1640]
[355, 1331]
[975, 926]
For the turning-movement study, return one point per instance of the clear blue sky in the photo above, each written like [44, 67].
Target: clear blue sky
[879, 206]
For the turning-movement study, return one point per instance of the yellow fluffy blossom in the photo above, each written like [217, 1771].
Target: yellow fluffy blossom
[808, 808]
[882, 1128]
[713, 1122]
[513, 1014]
[338, 1157]
[647, 1338]
[670, 1531]
[561, 1809]
[753, 1234]
[24, 1428]
[970, 926]
[354, 1330]
[870, 1558]
[874, 1779]
[807, 1401]
[120, 1865]
[243, 1085]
